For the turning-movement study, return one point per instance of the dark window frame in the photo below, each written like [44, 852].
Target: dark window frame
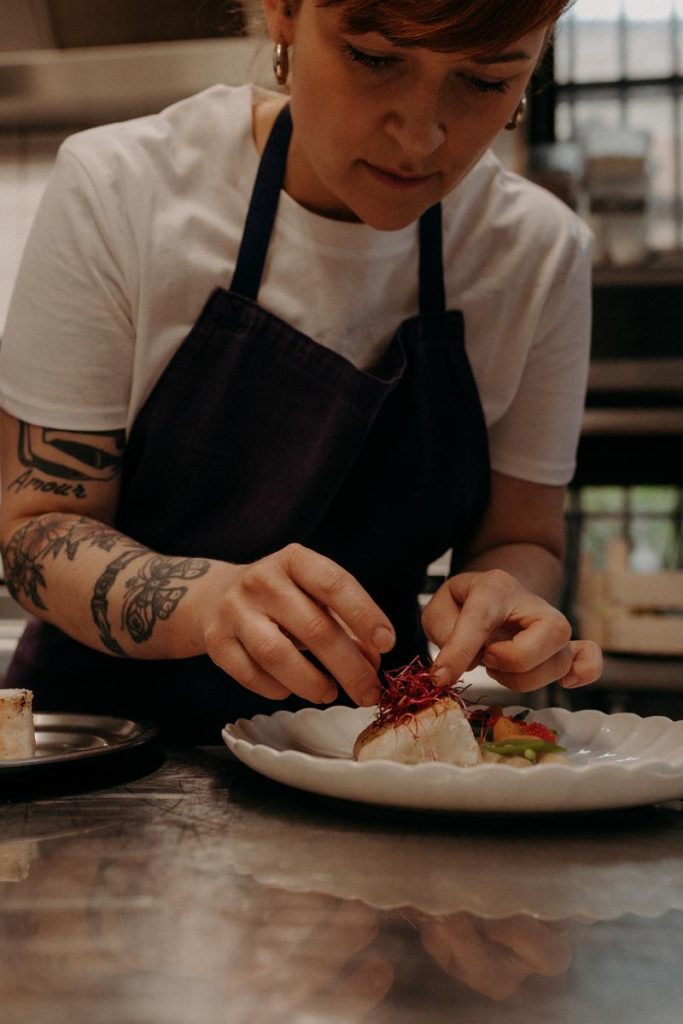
[547, 92]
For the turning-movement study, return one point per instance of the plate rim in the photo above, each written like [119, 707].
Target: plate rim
[143, 732]
[247, 750]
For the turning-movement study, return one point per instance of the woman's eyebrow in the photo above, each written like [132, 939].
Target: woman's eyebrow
[503, 58]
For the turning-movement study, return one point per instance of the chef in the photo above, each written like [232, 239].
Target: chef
[271, 353]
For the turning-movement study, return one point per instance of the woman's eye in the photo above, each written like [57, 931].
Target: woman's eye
[368, 60]
[485, 85]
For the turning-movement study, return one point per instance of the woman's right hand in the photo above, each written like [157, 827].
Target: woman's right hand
[255, 620]
[73, 568]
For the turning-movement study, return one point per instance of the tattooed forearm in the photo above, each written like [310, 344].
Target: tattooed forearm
[151, 595]
[25, 555]
[99, 605]
[23, 575]
[154, 592]
[68, 454]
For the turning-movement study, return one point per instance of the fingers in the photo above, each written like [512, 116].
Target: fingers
[544, 638]
[271, 651]
[369, 653]
[494, 957]
[524, 643]
[361, 990]
[441, 614]
[477, 604]
[524, 680]
[487, 601]
[544, 949]
[299, 600]
[321, 632]
[579, 663]
[459, 945]
[586, 666]
[336, 589]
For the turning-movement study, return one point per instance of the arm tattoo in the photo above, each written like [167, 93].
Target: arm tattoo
[99, 604]
[71, 455]
[25, 554]
[151, 595]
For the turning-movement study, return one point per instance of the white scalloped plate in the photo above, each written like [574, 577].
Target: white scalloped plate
[615, 761]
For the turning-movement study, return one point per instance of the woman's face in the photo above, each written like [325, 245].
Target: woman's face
[381, 132]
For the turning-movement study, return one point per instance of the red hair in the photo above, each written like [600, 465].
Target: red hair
[469, 26]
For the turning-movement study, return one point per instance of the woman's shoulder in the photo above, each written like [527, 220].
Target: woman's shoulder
[495, 202]
[183, 137]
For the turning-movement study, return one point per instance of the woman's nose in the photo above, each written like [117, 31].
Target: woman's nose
[417, 129]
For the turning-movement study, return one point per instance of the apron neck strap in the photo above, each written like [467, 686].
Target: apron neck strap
[432, 287]
[262, 208]
[258, 226]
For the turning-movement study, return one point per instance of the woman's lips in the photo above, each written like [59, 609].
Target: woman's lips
[397, 180]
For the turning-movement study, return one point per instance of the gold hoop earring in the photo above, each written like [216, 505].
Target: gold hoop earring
[281, 62]
[518, 115]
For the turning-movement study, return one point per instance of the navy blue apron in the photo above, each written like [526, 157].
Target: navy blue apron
[255, 436]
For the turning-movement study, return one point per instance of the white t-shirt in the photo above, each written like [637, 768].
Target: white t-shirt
[140, 221]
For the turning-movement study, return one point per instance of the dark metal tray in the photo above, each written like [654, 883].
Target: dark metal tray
[62, 737]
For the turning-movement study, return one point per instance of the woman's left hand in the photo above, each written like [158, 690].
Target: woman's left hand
[488, 618]
[495, 957]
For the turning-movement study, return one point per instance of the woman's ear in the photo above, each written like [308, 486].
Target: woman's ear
[279, 15]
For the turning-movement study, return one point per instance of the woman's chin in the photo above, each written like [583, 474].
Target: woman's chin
[389, 217]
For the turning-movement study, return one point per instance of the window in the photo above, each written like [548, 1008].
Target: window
[619, 64]
[649, 519]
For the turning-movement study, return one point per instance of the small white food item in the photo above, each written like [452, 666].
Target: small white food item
[17, 735]
[439, 732]
[15, 860]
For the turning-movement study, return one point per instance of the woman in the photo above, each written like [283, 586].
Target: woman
[243, 509]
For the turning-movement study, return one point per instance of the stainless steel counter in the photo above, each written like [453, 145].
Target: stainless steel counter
[201, 893]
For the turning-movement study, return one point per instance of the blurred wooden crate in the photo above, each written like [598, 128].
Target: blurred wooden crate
[630, 612]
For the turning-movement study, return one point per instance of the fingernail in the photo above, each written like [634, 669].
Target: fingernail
[383, 639]
[370, 697]
[442, 675]
[569, 681]
[490, 661]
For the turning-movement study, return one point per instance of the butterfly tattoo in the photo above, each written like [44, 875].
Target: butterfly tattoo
[154, 592]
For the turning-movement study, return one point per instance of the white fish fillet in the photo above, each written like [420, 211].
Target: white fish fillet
[440, 732]
[17, 736]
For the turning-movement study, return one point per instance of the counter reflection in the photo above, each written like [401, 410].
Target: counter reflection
[202, 895]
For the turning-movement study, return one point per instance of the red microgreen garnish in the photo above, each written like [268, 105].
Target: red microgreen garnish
[411, 689]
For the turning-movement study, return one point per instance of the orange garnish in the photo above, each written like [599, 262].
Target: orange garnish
[506, 729]
[509, 728]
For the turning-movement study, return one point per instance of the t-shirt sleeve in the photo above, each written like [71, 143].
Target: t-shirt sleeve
[67, 350]
[537, 437]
